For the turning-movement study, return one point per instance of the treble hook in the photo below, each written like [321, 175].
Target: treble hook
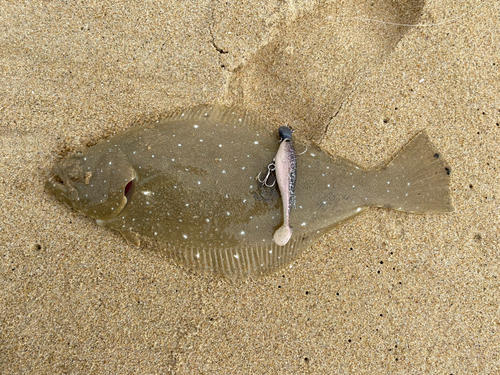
[270, 168]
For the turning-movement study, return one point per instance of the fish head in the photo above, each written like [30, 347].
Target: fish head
[98, 185]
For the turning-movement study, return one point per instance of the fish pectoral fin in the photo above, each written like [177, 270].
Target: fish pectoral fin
[131, 237]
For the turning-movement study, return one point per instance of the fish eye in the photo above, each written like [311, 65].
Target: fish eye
[129, 190]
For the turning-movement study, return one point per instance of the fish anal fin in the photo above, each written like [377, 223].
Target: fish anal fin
[131, 237]
[238, 263]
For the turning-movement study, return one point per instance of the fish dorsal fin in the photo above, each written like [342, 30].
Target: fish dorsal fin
[216, 112]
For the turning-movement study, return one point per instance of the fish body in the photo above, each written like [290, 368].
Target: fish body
[187, 185]
[286, 176]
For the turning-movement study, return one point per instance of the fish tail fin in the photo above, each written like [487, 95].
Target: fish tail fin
[417, 179]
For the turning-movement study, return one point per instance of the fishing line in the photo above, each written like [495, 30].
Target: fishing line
[417, 25]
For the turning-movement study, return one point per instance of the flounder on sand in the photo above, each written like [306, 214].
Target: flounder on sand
[187, 185]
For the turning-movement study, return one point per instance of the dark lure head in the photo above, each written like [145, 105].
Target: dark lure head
[285, 133]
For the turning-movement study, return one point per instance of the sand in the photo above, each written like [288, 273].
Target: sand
[384, 293]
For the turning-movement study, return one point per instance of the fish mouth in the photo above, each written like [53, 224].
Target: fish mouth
[60, 187]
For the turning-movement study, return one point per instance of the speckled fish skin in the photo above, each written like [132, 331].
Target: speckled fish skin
[187, 185]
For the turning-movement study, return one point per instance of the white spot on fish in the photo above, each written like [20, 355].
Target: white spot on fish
[146, 192]
[303, 224]
[358, 209]
[242, 232]
[256, 142]
[179, 145]
[195, 126]
[185, 236]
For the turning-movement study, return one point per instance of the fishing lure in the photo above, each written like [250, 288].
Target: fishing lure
[286, 176]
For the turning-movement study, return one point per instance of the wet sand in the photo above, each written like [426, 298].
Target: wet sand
[386, 292]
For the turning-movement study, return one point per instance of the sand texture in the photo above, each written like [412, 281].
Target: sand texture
[385, 293]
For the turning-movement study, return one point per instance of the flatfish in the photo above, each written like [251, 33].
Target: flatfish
[187, 185]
